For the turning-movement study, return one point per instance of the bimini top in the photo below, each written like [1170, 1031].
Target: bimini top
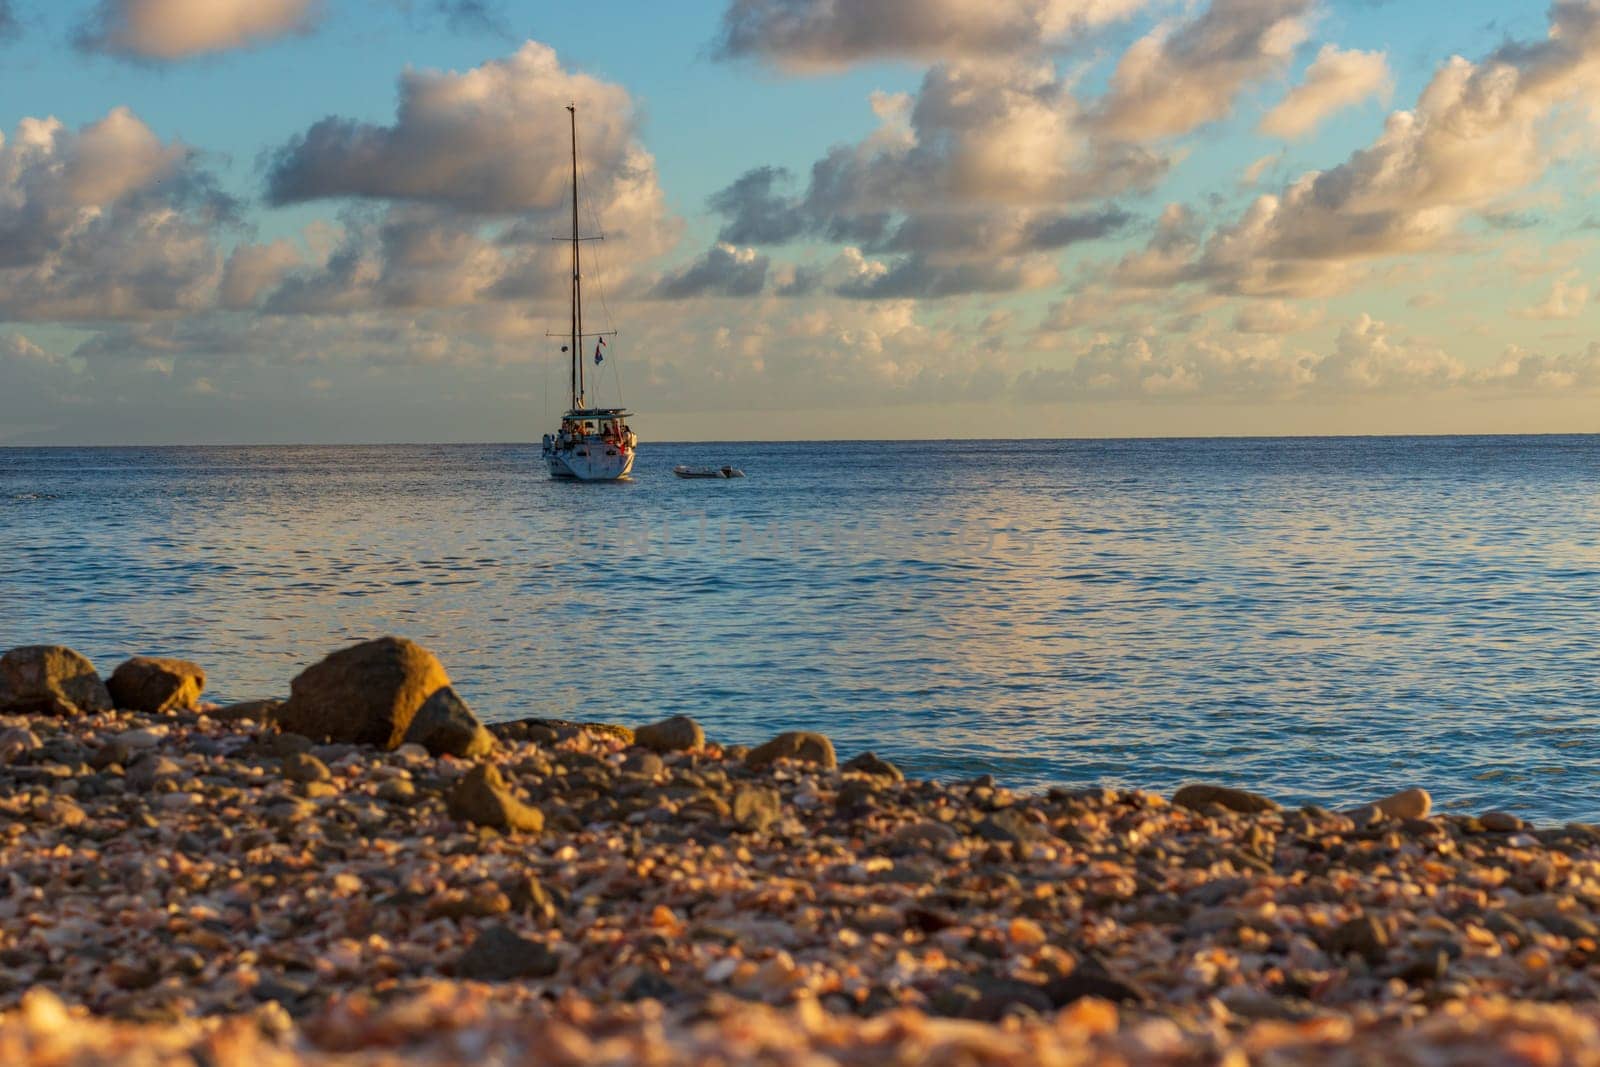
[597, 413]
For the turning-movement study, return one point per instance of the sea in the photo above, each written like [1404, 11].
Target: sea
[1323, 620]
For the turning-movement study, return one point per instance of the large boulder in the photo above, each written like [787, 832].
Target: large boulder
[52, 679]
[374, 694]
[157, 686]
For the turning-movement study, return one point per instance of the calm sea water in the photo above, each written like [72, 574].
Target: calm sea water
[1325, 620]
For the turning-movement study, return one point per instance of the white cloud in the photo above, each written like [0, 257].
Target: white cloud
[1334, 81]
[178, 29]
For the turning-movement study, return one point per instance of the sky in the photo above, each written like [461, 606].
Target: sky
[275, 221]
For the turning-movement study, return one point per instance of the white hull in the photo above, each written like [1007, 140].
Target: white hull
[590, 461]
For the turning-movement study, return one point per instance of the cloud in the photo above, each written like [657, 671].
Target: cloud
[1522, 371]
[723, 271]
[1182, 76]
[1274, 317]
[166, 30]
[932, 277]
[1251, 175]
[1137, 366]
[1367, 357]
[467, 187]
[812, 35]
[30, 380]
[104, 222]
[253, 270]
[1334, 81]
[475, 16]
[1567, 300]
[982, 164]
[1475, 138]
[489, 141]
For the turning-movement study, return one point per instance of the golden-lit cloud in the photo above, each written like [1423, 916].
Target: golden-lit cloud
[1475, 138]
[178, 29]
[1182, 76]
[104, 222]
[811, 35]
[1335, 80]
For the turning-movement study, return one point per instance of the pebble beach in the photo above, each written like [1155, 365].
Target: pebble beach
[364, 874]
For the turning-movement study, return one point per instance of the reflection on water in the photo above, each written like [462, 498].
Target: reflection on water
[1323, 619]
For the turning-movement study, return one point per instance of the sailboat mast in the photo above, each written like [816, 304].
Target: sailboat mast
[577, 274]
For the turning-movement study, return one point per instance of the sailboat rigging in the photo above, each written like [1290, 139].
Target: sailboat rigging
[593, 444]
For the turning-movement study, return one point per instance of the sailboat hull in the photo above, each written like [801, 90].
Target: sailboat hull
[598, 462]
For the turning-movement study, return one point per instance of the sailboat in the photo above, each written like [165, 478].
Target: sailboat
[593, 444]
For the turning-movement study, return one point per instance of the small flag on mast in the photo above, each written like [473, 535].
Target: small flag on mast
[598, 357]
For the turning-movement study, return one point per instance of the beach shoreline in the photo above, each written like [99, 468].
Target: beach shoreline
[203, 880]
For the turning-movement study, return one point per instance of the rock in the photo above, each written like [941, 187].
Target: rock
[59, 811]
[677, 734]
[999, 996]
[500, 954]
[650, 985]
[149, 769]
[1408, 804]
[528, 895]
[372, 693]
[539, 731]
[645, 764]
[1426, 966]
[157, 686]
[304, 767]
[857, 795]
[258, 711]
[925, 836]
[1364, 936]
[756, 808]
[284, 745]
[445, 726]
[548, 731]
[51, 679]
[483, 798]
[1079, 984]
[1012, 826]
[868, 763]
[17, 743]
[1197, 797]
[397, 791]
[801, 745]
[1569, 926]
[1500, 822]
